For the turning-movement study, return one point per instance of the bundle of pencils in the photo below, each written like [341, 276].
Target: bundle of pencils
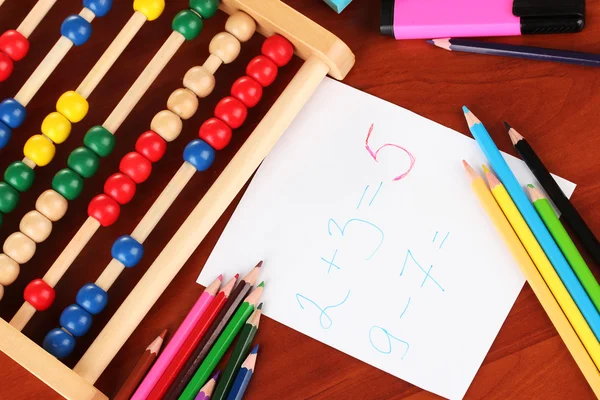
[184, 369]
[548, 257]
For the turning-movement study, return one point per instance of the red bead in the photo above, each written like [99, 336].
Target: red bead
[151, 146]
[247, 90]
[120, 187]
[104, 209]
[216, 133]
[39, 294]
[14, 44]
[278, 49]
[231, 111]
[136, 166]
[262, 69]
[6, 66]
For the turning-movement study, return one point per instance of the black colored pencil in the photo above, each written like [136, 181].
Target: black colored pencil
[235, 299]
[569, 212]
[516, 51]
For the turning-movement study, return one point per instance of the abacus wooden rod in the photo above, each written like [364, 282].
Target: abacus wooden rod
[143, 82]
[187, 238]
[111, 54]
[44, 366]
[35, 16]
[48, 64]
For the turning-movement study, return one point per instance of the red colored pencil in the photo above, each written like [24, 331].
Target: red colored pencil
[191, 342]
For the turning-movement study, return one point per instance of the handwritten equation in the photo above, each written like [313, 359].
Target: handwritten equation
[379, 337]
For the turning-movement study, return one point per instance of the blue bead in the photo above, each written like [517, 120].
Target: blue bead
[5, 134]
[12, 113]
[76, 29]
[91, 298]
[127, 250]
[99, 7]
[76, 320]
[199, 154]
[59, 343]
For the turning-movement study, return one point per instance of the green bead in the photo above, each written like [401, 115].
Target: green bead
[19, 176]
[188, 23]
[83, 161]
[206, 8]
[9, 198]
[99, 140]
[67, 183]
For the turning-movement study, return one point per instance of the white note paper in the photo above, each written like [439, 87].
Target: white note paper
[373, 242]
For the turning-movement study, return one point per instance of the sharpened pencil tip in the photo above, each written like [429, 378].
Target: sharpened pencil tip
[262, 284]
[163, 334]
[507, 125]
[485, 168]
[220, 277]
[237, 276]
[259, 265]
[430, 41]
[465, 109]
[216, 375]
[531, 186]
[260, 306]
[254, 350]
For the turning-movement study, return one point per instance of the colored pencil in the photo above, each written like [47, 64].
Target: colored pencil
[559, 233]
[534, 221]
[544, 266]
[188, 346]
[235, 299]
[207, 390]
[140, 369]
[177, 340]
[537, 283]
[240, 352]
[569, 212]
[243, 377]
[517, 51]
[234, 326]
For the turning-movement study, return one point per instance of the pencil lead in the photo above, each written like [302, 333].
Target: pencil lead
[262, 284]
[163, 334]
[237, 276]
[492, 179]
[220, 277]
[485, 168]
[260, 306]
[260, 263]
[254, 350]
[530, 185]
[216, 375]
[507, 125]
[465, 110]
[430, 41]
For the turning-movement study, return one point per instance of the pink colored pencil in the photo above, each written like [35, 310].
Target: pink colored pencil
[176, 342]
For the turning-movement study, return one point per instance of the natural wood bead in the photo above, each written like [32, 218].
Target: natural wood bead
[241, 25]
[225, 46]
[52, 205]
[167, 124]
[9, 270]
[183, 103]
[36, 226]
[200, 81]
[19, 247]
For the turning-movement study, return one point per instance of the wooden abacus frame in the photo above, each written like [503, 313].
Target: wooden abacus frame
[324, 54]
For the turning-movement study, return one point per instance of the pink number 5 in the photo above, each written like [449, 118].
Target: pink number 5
[376, 152]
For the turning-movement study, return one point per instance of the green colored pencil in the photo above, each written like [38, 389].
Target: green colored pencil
[566, 245]
[222, 344]
[239, 354]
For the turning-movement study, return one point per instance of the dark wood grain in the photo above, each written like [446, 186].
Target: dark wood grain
[555, 106]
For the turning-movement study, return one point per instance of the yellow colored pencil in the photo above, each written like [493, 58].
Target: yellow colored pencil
[587, 364]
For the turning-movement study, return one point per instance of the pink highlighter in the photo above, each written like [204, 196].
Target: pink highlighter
[430, 19]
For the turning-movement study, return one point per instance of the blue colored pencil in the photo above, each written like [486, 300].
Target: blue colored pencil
[243, 377]
[562, 267]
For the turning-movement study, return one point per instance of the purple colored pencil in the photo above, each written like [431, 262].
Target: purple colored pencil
[511, 50]
[208, 389]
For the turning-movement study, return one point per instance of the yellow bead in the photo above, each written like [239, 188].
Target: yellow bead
[150, 8]
[19, 247]
[51, 205]
[225, 46]
[9, 270]
[40, 150]
[200, 81]
[57, 127]
[241, 25]
[72, 105]
[167, 124]
[183, 103]
[36, 226]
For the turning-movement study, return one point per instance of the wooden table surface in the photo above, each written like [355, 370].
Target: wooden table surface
[555, 106]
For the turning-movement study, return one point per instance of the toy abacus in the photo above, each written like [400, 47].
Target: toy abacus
[287, 32]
